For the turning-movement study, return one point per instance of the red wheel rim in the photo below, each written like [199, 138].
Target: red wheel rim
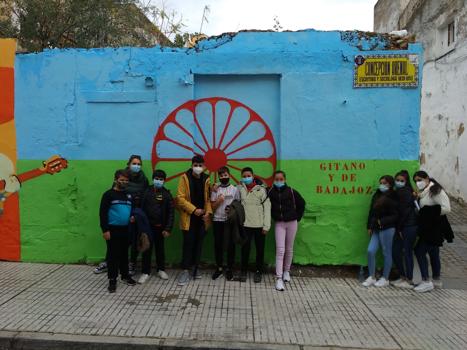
[223, 146]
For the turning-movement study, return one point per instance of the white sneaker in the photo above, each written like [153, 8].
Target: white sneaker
[162, 275]
[369, 282]
[280, 284]
[425, 286]
[286, 276]
[143, 278]
[404, 285]
[438, 283]
[382, 282]
[395, 283]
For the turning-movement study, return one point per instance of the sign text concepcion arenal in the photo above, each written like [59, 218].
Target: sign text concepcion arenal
[386, 71]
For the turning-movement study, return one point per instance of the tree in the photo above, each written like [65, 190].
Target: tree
[40, 24]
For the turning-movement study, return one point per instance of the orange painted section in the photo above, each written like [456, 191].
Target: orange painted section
[10, 247]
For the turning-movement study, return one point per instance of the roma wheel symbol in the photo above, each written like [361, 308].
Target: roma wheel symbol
[226, 132]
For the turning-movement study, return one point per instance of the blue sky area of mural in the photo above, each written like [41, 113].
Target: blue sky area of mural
[106, 103]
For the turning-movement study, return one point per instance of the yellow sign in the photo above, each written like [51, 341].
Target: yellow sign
[386, 71]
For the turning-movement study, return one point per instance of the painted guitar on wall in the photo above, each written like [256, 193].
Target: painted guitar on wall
[11, 183]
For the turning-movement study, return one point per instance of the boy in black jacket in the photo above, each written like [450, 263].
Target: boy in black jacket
[158, 206]
[115, 214]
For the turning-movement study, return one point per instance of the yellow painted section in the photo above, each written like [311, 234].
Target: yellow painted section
[7, 52]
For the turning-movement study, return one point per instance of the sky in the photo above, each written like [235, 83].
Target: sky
[235, 15]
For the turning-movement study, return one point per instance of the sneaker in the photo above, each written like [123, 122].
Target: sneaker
[132, 269]
[102, 267]
[369, 282]
[197, 275]
[143, 278]
[112, 286]
[424, 286]
[162, 275]
[184, 278]
[395, 283]
[129, 281]
[229, 275]
[404, 285]
[217, 274]
[280, 285]
[286, 276]
[258, 277]
[437, 283]
[382, 282]
[243, 276]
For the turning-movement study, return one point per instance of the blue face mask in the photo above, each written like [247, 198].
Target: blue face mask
[383, 188]
[279, 184]
[247, 180]
[158, 183]
[400, 184]
[135, 168]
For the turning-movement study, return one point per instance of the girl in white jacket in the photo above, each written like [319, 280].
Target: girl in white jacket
[430, 194]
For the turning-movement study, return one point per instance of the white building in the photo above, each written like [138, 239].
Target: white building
[441, 26]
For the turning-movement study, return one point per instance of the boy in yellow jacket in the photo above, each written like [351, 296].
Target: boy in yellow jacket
[193, 203]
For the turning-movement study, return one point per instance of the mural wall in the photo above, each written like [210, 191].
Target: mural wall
[267, 100]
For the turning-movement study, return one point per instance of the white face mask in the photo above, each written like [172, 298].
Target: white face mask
[421, 185]
[198, 169]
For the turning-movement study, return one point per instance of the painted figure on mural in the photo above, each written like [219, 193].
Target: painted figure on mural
[11, 183]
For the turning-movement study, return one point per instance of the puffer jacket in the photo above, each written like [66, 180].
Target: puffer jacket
[183, 200]
[257, 206]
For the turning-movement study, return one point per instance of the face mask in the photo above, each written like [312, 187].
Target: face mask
[122, 185]
[279, 184]
[158, 183]
[224, 180]
[135, 168]
[198, 170]
[421, 185]
[400, 184]
[383, 188]
[247, 180]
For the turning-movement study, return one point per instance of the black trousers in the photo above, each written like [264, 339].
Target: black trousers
[193, 244]
[219, 244]
[158, 246]
[117, 257]
[260, 240]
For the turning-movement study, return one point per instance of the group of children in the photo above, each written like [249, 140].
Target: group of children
[403, 221]
[133, 213]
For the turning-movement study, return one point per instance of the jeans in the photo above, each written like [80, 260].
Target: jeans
[158, 246]
[218, 228]
[260, 239]
[421, 250]
[192, 245]
[118, 252]
[385, 239]
[402, 251]
[285, 237]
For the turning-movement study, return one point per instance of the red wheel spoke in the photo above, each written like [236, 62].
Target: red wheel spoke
[234, 167]
[179, 144]
[176, 175]
[226, 127]
[247, 145]
[213, 125]
[201, 131]
[234, 178]
[237, 134]
[215, 177]
[190, 135]
[251, 159]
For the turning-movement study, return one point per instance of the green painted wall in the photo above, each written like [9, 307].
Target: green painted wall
[59, 213]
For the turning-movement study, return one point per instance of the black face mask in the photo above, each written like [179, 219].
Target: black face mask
[224, 180]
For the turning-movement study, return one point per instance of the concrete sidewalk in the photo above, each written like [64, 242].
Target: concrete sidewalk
[40, 304]
[46, 306]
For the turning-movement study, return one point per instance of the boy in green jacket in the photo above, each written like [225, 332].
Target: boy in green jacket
[255, 201]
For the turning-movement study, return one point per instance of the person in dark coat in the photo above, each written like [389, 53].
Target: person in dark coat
[287, 208]
[406, 231]
[382, 222]
[158, 205]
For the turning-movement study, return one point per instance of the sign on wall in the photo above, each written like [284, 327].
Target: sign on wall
[385, 71]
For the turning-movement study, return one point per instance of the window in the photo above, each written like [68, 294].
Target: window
[451, 35]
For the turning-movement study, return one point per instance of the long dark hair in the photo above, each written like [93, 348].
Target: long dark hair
[436, 188]
[405, 174]
[390, 180]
